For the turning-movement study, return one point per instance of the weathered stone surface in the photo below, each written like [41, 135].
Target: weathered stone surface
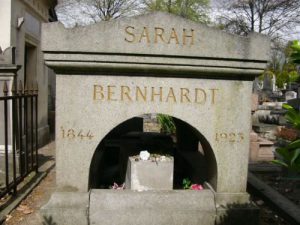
[65, 208]
[254, 105]
[261, 150]
[152, 207]
[207, 116]
[253, 136]
[289, 95]
[117, 45]
[266, 150]
[6, 57]
[149, 175]
[231, 198]
[110, 75]
[254, 150]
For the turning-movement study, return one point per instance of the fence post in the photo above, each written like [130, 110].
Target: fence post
[36, 91]
[14, 135]
[20, 93]
[5, 92]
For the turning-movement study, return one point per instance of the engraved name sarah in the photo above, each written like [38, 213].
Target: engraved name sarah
[160, 35]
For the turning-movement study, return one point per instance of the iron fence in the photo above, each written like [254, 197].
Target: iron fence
[19, 130]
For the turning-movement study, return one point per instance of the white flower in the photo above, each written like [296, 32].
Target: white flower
[144, 155]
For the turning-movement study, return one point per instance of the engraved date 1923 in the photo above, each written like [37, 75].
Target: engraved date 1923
[229, 137]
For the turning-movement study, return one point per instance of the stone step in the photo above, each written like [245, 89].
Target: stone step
[151, 217]
[175, 199]
[152, 207]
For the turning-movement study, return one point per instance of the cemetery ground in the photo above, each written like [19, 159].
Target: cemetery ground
[27, 212]
[278, 182]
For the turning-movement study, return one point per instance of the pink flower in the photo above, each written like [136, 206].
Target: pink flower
[118, 187]
[196, 187]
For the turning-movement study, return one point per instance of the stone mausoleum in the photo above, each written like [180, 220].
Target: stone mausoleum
[112, 72]
[20, 46]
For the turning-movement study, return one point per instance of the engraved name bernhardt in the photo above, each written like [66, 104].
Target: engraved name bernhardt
[155, 94]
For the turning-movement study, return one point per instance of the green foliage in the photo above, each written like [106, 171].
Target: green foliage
[296, 52]
[195, 10]
[283, 65]
[290, 154]
[167, 123]
[292, 116]
[186, 183]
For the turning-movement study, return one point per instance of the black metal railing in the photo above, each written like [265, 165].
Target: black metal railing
[18, 134]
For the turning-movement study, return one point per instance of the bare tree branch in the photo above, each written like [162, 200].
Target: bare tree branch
[90, 11]
[271, 17]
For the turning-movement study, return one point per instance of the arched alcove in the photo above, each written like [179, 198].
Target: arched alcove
[193, 155]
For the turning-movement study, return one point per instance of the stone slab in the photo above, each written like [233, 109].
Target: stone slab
[254, 105]
[263, 128]
[152, 207]
[225, 199]
[149, 175]
[266, 153]
[254, 149]
[116, 46]
[261, 150]
[253, 136]
[65, 208]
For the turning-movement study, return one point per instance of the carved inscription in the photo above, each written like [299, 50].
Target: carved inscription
[159, 35]
[124, 93]
[229, 137]
[73, 134]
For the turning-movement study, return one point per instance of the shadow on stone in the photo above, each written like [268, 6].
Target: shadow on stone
[48, 220]
[237, 214]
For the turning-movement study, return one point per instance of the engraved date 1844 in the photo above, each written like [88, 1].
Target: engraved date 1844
[73, 134]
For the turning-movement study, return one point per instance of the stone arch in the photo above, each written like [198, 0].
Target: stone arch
[183, 128]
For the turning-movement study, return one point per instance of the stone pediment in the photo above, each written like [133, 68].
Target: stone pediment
[6, 56]
[7, 64]
[153, 42]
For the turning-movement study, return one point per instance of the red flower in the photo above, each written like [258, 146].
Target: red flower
[197, 187]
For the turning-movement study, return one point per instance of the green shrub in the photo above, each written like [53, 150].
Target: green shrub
[167, 124]
[290, 154]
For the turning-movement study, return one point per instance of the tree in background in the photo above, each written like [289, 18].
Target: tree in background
[83, 12]
[271, 17]
[275, 18]
[107, 9]
[289, 155]
[196, 10]
[296, 52]
[283, 66]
